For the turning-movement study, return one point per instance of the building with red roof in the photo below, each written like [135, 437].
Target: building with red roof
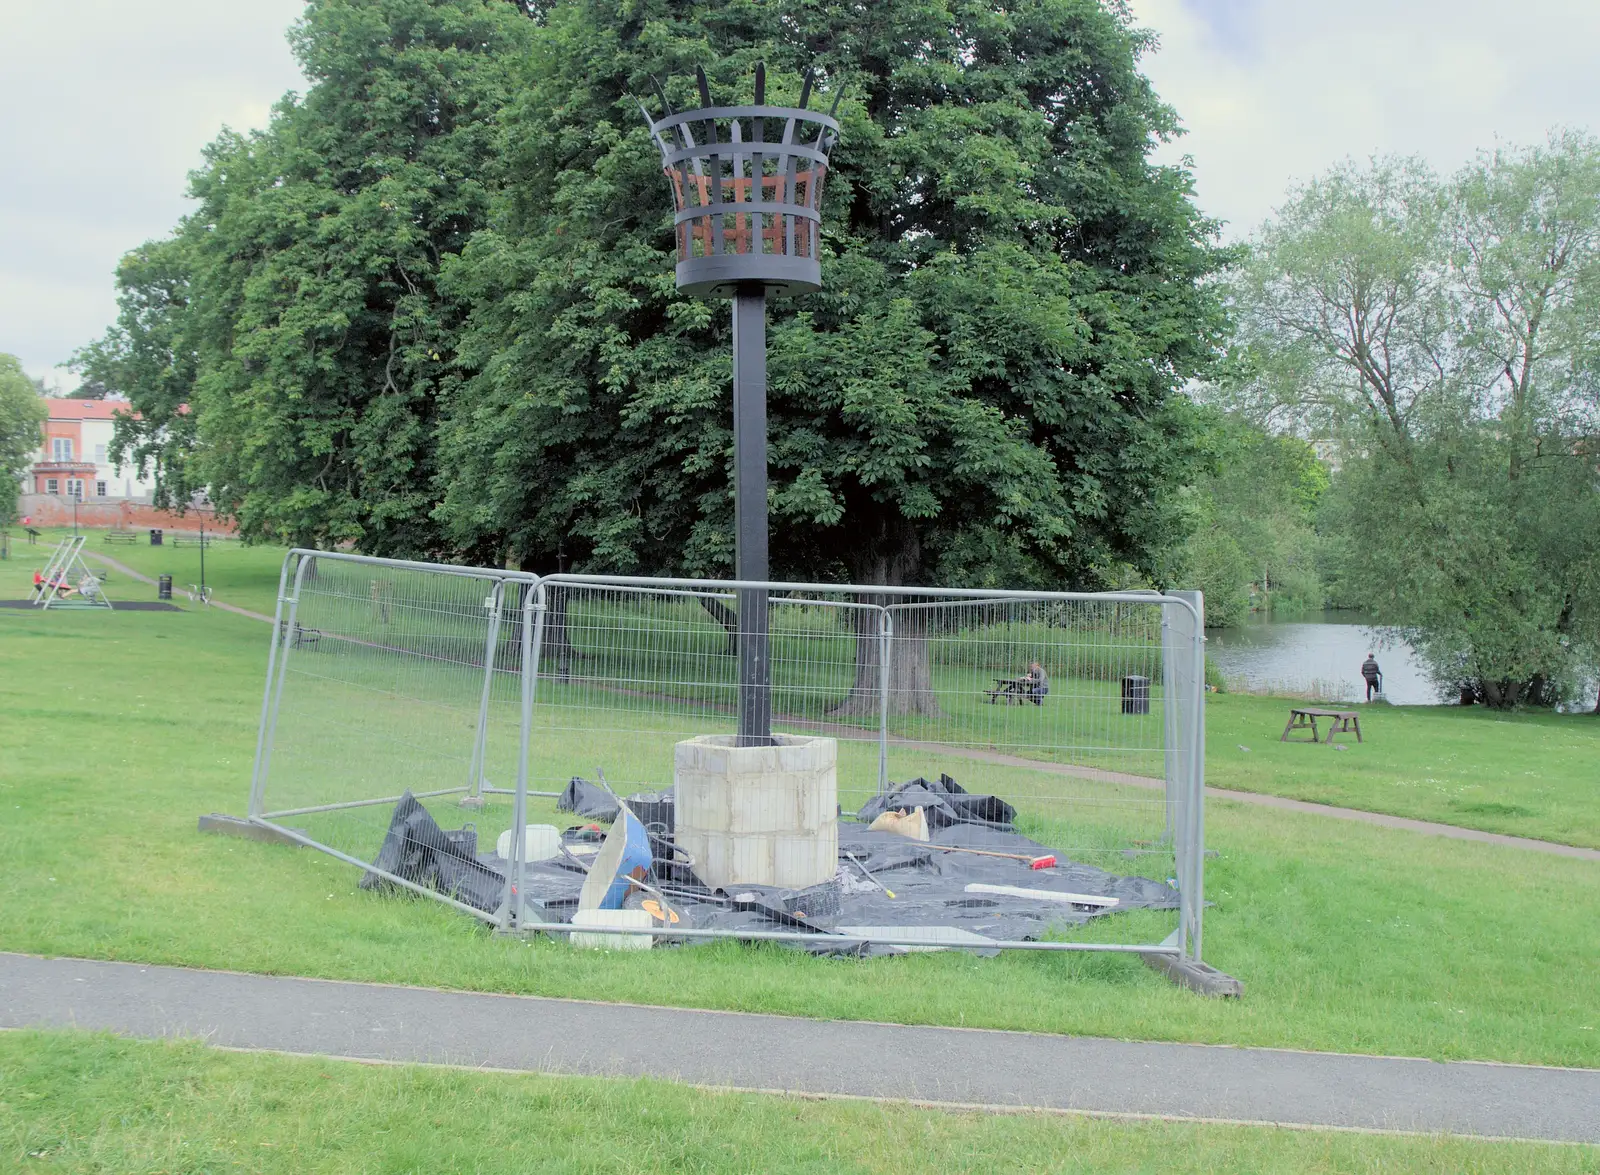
[74, 459]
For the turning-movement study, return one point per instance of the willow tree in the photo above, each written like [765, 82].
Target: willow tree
[1442, 331]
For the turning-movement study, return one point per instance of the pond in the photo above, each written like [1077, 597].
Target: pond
[1316, 655]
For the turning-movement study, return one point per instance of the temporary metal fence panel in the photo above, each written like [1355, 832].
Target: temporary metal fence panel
[1083, 711]
[387, 677]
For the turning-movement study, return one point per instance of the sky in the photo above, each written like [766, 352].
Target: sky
[108, 103]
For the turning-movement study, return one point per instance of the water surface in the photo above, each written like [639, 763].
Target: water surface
[1317, 654]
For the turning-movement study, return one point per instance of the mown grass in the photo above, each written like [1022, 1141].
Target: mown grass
[1527, 774]
[237, 574]
[1531, 773]
[93, 1103]
[118, 729]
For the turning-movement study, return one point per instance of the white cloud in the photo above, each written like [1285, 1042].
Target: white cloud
[1273, 93]
[108, 104]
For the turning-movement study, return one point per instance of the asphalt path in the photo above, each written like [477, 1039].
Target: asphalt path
[949, 1067]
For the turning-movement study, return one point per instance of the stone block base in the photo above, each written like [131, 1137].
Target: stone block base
[758, 815]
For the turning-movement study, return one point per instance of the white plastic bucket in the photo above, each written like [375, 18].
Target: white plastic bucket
[540, 842]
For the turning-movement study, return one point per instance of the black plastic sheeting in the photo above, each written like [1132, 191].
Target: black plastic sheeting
[929, 884]
[589, 800]
[417, 849]
[943, 803]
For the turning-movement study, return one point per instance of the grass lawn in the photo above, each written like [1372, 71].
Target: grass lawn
[118, 729]
[236, 574]
[1529, 774]
[92, 1103]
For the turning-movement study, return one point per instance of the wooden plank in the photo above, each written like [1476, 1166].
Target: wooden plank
[1042, 895]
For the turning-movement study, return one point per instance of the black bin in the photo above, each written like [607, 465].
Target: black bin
[155, 538]
[163, 587]
[1135, 695]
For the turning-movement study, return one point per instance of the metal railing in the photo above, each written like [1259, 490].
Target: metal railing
[1085, 711]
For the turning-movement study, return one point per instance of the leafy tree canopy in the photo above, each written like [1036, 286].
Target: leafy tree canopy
[985, 390]
[1444, 334]
[430, 309]
[296, 311]
[22, 411]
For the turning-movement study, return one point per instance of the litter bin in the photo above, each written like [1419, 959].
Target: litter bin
[1135, 695]
[155, 538]
[163, 587]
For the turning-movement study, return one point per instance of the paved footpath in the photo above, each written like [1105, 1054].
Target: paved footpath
[941, 1066]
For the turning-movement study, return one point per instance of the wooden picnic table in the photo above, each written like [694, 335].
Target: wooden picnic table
[1305, 718]
[1013, 689]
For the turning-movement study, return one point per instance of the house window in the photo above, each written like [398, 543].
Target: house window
[61, 448]
[75, 488]
[99, 489]
[99, 454]
[52, 485]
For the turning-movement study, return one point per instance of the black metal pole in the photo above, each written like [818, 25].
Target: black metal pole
[750, 510]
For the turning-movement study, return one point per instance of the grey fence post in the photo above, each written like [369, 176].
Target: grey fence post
[885, 646]
[474, 796]
[1197, 848]
[269, 723]
[257, 780]
[1188, 650]
[533, 609]
[1172, 709]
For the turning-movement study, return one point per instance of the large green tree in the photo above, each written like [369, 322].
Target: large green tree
[296, 312]
[149, 355]
[985, 392]
[1444, 334]
[22, 412]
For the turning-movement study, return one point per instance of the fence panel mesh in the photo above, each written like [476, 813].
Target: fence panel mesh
[388, 678]
[1082, 712]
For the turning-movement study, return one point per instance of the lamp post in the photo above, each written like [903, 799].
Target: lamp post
[747, 186]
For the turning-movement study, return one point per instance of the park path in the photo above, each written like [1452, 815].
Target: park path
[115, 565]
[942, 1067]
[1382, 820]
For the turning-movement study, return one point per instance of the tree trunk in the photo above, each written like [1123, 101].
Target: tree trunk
[910, 665]
[727, 617]
[1596, 710]
[1502, 695]
[890, 556]
[556, 643]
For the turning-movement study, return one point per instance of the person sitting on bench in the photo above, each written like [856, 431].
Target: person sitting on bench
[1038, 683]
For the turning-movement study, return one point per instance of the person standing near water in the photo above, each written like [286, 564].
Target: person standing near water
[1373, 675]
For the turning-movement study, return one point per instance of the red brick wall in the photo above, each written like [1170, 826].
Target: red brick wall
[46, 510]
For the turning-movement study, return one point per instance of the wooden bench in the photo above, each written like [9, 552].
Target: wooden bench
[208, 541]
[301, 637]
[122, 536]
[1341, 722]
